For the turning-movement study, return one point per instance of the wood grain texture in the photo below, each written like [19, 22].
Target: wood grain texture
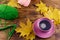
[29, 12]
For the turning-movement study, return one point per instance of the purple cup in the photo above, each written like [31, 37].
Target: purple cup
[44, 27]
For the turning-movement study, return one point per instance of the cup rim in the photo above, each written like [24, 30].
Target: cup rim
[39, 20]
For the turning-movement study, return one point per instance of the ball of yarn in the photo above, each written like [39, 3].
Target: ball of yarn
[8, 12]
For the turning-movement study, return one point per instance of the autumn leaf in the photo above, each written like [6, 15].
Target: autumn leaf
[31, 36]
[25, 30]
[59, 16]
[55, 15]
[13, 3]
[41, 7]
[49, 12]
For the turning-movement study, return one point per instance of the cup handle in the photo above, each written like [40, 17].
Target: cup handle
[52, 20]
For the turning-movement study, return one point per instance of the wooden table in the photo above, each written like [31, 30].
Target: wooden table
[33, 15]
[29, 12]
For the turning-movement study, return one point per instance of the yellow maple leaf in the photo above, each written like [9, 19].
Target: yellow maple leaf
[31, 36]
[25, 30]
[13, 3]
[53, 15]
[49, 12]
[42, 7]
[59, 16]
[56, 15]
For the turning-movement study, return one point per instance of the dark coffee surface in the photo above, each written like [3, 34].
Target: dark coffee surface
[45, 25]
